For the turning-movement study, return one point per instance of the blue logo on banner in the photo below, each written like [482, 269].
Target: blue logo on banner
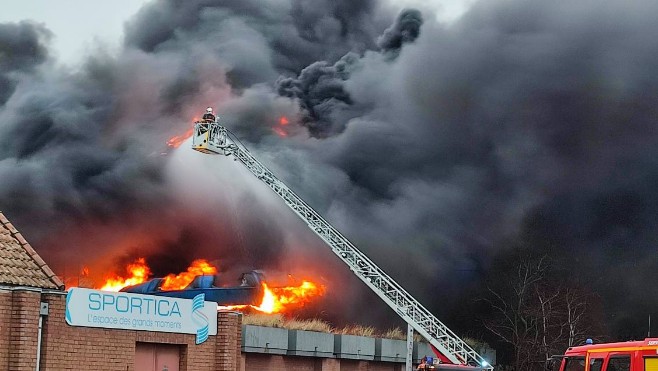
[199, 318]
[68, 314]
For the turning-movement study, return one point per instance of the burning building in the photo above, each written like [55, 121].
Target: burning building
[252, 292]
[41, 326]
[435, 146]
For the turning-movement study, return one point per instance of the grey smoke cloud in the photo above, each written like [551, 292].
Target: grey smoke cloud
[22, 49]
[258, 40]
[23, 45]
[405, 30]
[433, 147]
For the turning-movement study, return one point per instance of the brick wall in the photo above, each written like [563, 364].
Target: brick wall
[258, 361]
[352, 365]
[23, 329]
[67, 347]
[229, 339]
[5, 322]
[273, 362]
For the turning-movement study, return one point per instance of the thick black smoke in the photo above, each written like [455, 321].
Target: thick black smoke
[523, 121]
[405, 30]
[434, 147]
[320, 88]
[321, 93]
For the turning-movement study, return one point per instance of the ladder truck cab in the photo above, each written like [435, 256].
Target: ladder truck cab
[210, 137]
[623, 356]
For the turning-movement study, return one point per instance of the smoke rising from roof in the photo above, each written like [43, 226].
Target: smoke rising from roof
[433, 147]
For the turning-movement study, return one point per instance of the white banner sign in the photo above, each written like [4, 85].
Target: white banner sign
[122, 310]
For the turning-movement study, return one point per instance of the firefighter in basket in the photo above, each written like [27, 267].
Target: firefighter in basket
[208, 117]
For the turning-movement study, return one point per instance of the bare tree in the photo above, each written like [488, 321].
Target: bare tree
[514, 321]
[576, 308]
[548, 301]
[538, 313]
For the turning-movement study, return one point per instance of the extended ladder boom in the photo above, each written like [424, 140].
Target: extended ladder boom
[212, 138]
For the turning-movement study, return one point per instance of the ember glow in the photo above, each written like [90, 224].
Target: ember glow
[279, 129]
[181, 280]
[138, 273]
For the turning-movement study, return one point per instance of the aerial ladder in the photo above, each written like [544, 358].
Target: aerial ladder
[213, 138]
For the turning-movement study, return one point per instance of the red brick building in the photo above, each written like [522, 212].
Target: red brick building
[33, 328]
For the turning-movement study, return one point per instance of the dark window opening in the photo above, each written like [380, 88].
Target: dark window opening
[595, 364]
[575, 364]
[619, 363]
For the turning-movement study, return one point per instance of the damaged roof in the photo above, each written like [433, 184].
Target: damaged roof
[20, 265]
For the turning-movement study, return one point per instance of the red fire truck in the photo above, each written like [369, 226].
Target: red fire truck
[625, 356]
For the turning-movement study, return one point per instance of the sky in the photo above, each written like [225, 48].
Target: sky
[78, 26]
[438, 138]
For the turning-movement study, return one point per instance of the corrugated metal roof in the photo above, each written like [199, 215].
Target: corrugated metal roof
[20, 265]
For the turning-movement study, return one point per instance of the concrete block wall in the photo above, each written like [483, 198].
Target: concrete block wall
[390, 350]
[264, 339]
[310, 343]
[310, 350]
[354, 347]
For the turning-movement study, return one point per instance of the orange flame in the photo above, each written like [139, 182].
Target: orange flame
[177, 140]
[139, 272]
[283, 121]
[181, 280]
[279, 299]
[275, 299]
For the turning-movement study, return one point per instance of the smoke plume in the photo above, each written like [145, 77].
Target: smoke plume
[434, 147]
